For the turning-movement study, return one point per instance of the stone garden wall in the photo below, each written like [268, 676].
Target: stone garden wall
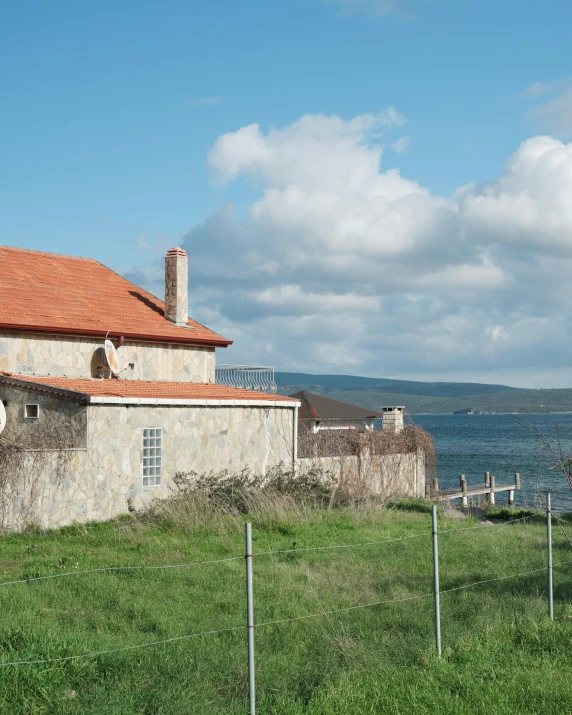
[389, 475]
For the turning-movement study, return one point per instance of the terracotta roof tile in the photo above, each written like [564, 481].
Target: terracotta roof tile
[145, 389]
[45, 292]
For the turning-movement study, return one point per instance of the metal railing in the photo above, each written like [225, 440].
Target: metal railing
[248, 377]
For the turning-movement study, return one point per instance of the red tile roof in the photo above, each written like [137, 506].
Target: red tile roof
[142, 389]
[45, 292]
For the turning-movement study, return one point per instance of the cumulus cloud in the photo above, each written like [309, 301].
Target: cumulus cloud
[342, 265]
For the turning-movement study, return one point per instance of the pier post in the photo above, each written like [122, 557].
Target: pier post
[487, 479]
[517, 480]
[465, 501]
[549, 541]
[492, 492]
[435, 486]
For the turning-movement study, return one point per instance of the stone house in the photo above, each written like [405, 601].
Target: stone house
[341, 439]
[319, 413]
[112, 435]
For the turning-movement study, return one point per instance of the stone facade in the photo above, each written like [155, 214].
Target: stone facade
[60, 356]
[393, 418]
[99, 477]
[60, 422]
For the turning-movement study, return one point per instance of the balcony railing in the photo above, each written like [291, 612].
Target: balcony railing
[249, 377]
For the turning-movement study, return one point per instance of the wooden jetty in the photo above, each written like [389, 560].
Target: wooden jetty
[489, 487]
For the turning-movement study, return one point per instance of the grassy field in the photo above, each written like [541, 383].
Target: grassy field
[501, 653]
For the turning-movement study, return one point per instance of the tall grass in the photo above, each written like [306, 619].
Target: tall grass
[502, 655]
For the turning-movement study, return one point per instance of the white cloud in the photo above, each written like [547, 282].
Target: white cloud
[536, 89]
[540, 89]
[401, 146]
[344, 266]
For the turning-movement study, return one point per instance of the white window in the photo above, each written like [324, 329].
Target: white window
[32, 411]
[151, 456]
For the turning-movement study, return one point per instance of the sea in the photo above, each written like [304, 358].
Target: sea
[502, 445]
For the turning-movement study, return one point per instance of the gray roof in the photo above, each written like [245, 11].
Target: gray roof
[318, 407]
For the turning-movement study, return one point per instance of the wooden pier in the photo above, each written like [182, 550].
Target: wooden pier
[489, 487]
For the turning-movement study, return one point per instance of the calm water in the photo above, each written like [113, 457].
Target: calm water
[474, 444]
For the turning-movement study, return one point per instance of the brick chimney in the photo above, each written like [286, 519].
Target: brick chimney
[177, 286]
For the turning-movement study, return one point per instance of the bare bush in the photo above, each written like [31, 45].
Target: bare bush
[281, 493]
[326, 482]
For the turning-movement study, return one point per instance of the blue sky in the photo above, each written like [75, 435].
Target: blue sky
[124, 132]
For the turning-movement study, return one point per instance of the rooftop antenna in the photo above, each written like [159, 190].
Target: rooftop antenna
[111, 356]
[2, 416]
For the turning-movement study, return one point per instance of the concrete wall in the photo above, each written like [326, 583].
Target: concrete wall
[28, 354]
[391, 475]
[95, 482]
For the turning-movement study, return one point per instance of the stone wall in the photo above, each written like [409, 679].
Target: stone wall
[61, 422]
[390, 475]
[28, 354]
[99, 479]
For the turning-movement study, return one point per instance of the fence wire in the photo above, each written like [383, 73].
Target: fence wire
[121, 568]
[136, 567]
[276, 622]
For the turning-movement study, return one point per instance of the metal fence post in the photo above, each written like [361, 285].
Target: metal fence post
[436, 582]
[250, 619]
[549, 539]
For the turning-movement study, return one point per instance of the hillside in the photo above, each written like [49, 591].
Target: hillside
[427, 397]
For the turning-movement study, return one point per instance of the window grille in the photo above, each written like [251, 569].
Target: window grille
[152, 438]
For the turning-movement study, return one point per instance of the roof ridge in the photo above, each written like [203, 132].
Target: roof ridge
[48, 253]
[313, 408]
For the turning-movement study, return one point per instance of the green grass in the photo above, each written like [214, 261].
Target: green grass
[501, 653]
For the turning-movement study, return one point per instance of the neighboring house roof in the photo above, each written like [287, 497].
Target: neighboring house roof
[49, 293]
[90, 390]
[318, 407]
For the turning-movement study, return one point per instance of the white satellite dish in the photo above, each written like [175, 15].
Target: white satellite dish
[111, 357]
[2, 416]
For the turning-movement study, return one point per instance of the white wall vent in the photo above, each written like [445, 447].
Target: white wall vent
[32, 411]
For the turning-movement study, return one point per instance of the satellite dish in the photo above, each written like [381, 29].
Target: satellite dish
[111, 357]
[2, 416]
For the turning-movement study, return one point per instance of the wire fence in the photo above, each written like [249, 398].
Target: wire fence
[250, 626]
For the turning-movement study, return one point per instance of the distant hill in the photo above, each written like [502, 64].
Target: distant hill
[375, 384]
[428, 397]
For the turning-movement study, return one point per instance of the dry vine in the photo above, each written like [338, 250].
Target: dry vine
[26, 459]
[370, 460]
